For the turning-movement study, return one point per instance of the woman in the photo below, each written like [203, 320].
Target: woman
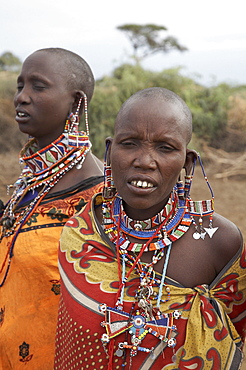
[151, 279]
[60, 175]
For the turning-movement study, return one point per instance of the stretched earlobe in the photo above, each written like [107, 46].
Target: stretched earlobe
[108, 143]
[190, 162]
[109, 188]
[80, 106]
[189, 166]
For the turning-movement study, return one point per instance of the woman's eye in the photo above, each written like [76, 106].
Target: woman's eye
[38, 87]
[127, 143]
[166, 148]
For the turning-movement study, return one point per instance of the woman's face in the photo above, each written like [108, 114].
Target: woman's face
[147, 154]
[43, 99]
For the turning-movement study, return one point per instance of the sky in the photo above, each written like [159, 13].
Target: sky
[214, 31]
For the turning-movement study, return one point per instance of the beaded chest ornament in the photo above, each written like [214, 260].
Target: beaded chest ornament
[144, 318]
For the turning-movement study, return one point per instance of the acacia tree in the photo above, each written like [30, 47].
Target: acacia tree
[148, 39]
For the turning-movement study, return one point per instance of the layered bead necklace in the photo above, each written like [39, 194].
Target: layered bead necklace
[174, 220]
[43, 169]
[145, 318]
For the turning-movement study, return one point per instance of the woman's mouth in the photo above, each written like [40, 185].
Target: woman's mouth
[22, 117]
[20, 114]
[141, 184]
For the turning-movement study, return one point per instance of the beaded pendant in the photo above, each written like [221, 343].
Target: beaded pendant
[200, 209]
[116, 322]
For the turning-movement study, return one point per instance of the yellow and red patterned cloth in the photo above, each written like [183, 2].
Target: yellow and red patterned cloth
[30, 295]
[210, 330]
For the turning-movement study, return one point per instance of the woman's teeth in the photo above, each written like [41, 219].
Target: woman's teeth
[142, 184]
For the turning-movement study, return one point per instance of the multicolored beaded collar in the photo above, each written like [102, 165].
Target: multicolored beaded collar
[175, 222]
[43, 170]
[39, 164]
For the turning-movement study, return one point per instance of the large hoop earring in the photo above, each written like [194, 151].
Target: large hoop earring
[189, 178]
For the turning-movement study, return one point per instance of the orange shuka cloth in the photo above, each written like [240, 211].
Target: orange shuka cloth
[30, 295]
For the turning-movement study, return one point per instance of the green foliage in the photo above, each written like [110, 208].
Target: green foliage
[210, 114]
[148, 39]
[110, 94]
[215, 110]
[9, 62]
[209, 106]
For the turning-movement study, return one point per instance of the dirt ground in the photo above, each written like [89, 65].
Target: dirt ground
[230, 193]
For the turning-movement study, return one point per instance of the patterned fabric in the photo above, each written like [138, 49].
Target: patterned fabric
[209, 331]
[29, 298]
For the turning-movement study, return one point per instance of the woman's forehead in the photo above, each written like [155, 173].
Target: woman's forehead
[44, 61]
[153, 113]
[42, 64]
[149, 115]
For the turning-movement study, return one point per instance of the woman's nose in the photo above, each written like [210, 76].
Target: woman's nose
[22, 96]
[145, 160]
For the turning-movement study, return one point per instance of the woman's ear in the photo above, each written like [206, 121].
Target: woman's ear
[108, 142]
[78, 103]
[191, 157]
[109, 188]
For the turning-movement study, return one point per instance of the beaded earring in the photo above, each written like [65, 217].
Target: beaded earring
[180, 188]
[200, 208]
[72, 122]
[109, 187]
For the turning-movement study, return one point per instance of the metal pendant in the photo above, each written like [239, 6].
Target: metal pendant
[210, 230]
[196, 235]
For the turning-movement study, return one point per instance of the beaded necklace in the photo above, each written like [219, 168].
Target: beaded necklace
[151, 223]
[43, 170]
[144, 318]
[173, 226]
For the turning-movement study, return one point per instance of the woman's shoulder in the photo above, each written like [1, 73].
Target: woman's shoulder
[228, 238]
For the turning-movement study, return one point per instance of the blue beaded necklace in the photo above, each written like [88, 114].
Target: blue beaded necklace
[176, 223]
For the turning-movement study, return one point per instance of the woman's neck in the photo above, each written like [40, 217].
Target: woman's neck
[144, 214]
